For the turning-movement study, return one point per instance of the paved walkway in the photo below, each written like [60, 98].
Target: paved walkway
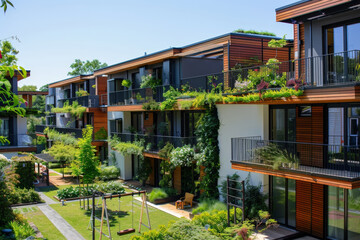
[64, 227]
[170, 209]
[46, 198]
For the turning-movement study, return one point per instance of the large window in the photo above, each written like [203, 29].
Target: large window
[282, 126]
[342, 47]
[283, 200]
[343, 213]
[4, 127]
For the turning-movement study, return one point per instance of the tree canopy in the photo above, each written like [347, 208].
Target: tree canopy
[8, 53]
[85, 67]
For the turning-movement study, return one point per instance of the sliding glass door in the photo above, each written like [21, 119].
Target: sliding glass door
[283, 200]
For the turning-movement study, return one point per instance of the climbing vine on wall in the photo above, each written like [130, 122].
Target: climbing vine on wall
[207, 138]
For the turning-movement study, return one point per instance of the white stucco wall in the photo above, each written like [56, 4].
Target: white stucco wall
[240, 120]
[122, 162]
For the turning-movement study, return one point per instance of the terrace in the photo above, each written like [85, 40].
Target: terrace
[316, 160]
[76, 131]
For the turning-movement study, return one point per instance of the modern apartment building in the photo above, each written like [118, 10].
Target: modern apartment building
[13, 126]
[88, 91]
[313, 172]
[190, 66]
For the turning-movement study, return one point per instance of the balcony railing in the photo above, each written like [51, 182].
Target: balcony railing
[154, 143]
[19, 140]
[85, 101]
[308, 158]
[75, 131]
[204, 82]
[318, 71]
[138, 96]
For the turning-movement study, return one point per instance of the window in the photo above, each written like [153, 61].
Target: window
[4, 127]
[305, 111]
[283, 194]
[282, 124]
[116, 126]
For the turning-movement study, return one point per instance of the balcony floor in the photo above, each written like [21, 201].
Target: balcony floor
[331, 177]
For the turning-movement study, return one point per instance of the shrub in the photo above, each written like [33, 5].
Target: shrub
[101, 134]
[23, 195]
[6, 214]
[73, 192]
[217, 220]
[24, 167]
[209, 205]
[157, 193]
[184, 229]
[22, 230]
[110, 172]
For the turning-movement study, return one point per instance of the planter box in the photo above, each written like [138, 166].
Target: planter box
[166, 200]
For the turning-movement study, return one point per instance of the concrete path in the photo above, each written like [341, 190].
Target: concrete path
[64, 227]
[46, 198]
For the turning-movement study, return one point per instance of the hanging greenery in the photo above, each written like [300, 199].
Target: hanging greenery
[65, 138]
[75, 109]
[207, 138]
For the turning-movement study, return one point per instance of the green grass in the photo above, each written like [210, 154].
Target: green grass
[34, 215]
[54, 174]
[59, 170]
[79, 218]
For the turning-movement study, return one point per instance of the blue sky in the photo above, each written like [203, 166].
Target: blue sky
[54, 33]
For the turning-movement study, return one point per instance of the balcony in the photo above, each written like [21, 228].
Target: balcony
[85, 101]
[20, 143]
[76, 131]
[321, 160]
[153, 143]
[204, 82]
[137, 96]
[320, 71]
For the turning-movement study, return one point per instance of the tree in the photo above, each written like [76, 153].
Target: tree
[64, 153]
[5, 3]
[8, 53]
[31, 88]
[81, 67]
[89, 163]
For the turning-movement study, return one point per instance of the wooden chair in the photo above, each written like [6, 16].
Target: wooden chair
[188, 199]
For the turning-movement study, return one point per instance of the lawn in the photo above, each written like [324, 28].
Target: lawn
[60, 170]
[34, 215]
[79, 218]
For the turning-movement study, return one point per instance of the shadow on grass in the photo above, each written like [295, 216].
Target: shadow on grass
[114, 216]
[47, 189]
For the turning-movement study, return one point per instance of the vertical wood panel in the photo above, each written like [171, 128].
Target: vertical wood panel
[177, 179]
[317, 210]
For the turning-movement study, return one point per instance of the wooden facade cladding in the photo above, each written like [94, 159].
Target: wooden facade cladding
[305, 7]
[310, 208]
[100, 118]
[310, 130]
[296, 176]
[101, 85]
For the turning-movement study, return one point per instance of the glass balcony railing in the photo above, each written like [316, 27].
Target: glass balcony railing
[308, 158]
[154, 143]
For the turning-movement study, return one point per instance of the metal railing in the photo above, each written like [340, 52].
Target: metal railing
[203, 83]
[77, 132]
[310, 158]
[85, 101]
[137, 96]
[154, 143]
[318, 71]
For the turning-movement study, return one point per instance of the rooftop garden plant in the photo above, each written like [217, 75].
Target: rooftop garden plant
[101, 134]
[266, 33]
[65, 138]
